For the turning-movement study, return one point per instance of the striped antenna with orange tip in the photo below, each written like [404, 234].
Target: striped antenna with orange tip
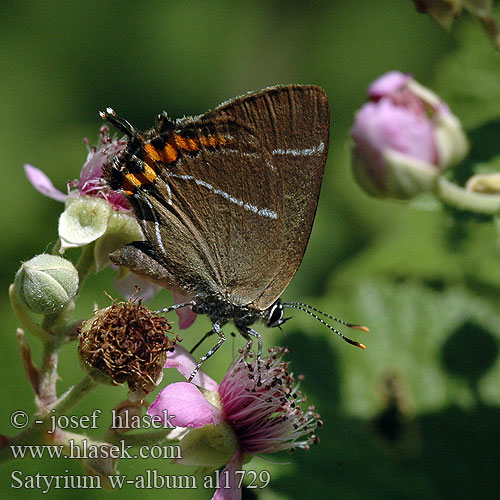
[308, 309]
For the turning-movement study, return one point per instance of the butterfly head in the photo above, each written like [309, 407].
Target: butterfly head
[274, 315]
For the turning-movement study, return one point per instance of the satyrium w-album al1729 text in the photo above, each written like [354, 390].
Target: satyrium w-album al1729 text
[226, 202]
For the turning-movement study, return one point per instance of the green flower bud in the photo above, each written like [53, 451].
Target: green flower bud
[210, 445]
[46, 283]
[484, 183]
[122, 228]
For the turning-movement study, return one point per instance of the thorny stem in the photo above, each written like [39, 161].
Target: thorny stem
[48, 373]
[53, 335]
[143, 438]
[32, 434]
[73, 395]
[48, 370]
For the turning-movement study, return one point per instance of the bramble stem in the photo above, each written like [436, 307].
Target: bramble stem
[143, 438]
[85, 264]
[458, 197]
[73, 395]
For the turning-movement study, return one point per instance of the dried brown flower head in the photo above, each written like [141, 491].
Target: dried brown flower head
[128, 343]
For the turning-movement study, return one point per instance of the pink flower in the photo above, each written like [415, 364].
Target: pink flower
[91, 182]
[251, 412]
[403, 138]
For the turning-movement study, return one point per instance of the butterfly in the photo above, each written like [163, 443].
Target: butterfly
[226, 201]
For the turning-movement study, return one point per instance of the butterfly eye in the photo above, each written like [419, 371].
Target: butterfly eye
[275, 317]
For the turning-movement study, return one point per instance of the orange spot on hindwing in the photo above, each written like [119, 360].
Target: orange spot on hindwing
[170, 153]
[130, 183]
[189, 144]
[149, 173]
[186, 143]
[213, 141]
[151, 153]
[155, 155]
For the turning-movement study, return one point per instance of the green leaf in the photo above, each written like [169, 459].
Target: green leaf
[415, 415]
[412, 330]
[431, 247]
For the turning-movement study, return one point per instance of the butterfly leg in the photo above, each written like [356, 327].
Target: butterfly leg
[249, 332]
[222, 338]
[176, 306]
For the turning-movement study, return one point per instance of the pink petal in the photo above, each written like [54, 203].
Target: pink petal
[384, 125]
[92, 168]
[42, 183]
[388, 84]
[186, 315]
[185, 363]
[97, 158]
[232, 493]
[185, 405]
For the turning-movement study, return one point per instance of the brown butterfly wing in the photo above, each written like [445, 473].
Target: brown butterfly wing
[201, 215]
[221, 210]
[234, 220]
[293, 124]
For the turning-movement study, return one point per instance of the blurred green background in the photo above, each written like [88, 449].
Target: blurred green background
[416, 415]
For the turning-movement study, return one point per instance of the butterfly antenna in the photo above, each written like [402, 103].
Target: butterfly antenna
[338, 320]
[302, 307]
[120, 123]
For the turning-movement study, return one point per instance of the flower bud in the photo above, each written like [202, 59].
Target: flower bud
[484, 183]
[46, 283]
[122, 228]
[126, 342]
[403, 138]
